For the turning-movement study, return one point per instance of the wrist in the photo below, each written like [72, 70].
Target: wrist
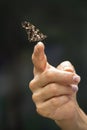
[78, 122]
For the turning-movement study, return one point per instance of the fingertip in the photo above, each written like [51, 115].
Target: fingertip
[40, 45]
[74, 87]
[76, 78]
[39, 48]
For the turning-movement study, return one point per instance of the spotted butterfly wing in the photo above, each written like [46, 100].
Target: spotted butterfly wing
[34, 34]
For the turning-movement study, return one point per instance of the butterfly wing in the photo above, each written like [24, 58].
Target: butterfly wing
[34, 34]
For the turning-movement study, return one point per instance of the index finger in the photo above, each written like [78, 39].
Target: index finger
[54, 75]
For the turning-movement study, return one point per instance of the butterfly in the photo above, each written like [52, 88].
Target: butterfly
[34, 34]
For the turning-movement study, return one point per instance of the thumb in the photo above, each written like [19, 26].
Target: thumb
[39, 58]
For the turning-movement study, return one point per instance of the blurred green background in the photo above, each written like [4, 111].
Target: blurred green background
[65, 24]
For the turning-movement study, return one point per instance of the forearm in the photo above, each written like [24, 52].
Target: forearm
[79, 122]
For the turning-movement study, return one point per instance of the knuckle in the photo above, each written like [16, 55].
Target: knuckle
[31, 85]
[39, 109]
[34, 97]
[65, 63]
[42, 111]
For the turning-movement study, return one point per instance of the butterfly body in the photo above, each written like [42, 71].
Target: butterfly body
[34, 34]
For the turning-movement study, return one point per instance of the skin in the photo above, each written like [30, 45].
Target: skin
[54, 92]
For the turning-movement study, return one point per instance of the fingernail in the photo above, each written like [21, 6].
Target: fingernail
[74, 87]
[76, 79]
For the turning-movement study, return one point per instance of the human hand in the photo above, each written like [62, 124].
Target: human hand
[54, 89]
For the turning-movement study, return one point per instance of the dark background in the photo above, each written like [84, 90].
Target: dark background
[65, 24]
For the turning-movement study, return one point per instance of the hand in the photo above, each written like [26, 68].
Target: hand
[54, 89]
